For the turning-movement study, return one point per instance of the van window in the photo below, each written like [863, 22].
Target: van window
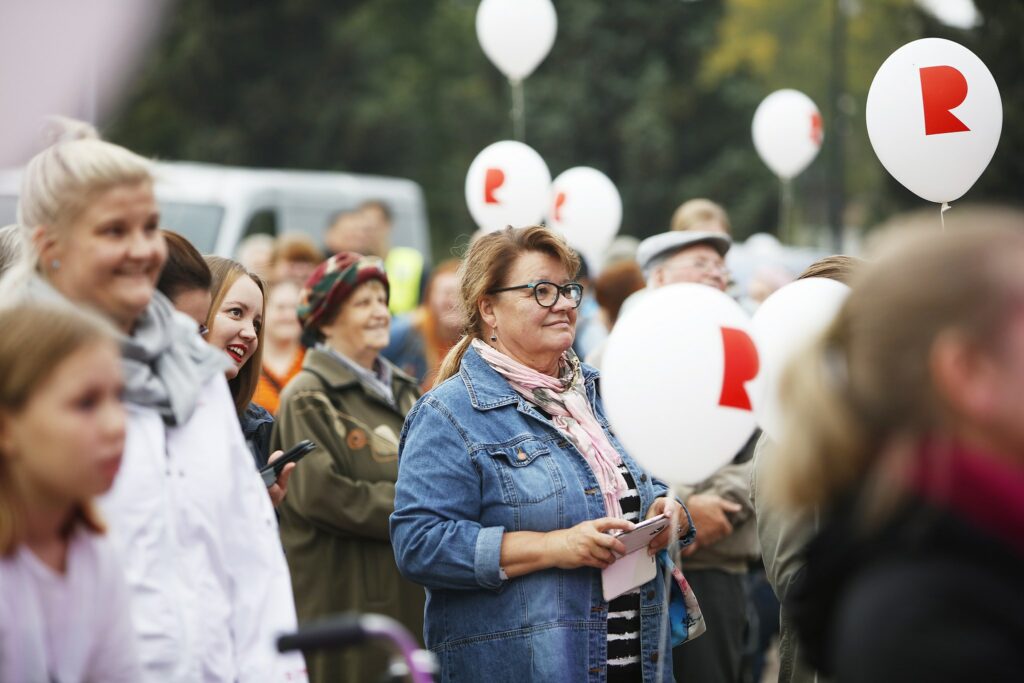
[262, 222]
[198, 223]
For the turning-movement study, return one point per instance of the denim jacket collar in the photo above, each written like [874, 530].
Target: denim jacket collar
[488, 390]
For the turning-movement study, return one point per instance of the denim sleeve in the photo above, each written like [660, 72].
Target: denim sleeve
[437, 539]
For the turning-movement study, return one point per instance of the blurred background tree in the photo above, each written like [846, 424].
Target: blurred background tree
[659, 95]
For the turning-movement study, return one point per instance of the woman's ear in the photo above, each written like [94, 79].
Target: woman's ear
[45, 243]
[486, 307]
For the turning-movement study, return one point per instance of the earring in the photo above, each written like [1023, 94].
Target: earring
[494, 335]
[55, 264]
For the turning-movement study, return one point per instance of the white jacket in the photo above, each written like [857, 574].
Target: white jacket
[191, 516]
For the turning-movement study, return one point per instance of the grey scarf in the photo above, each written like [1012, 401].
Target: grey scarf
[165, 361]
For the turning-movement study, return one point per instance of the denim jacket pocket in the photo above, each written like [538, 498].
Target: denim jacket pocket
[527, 472]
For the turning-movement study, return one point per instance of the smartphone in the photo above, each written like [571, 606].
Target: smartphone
[271, 472]
[641, 535]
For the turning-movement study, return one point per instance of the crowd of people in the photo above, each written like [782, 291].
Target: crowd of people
[466, 481]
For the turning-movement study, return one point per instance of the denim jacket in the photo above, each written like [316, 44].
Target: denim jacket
[476, 460]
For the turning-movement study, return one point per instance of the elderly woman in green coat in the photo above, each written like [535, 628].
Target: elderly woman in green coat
[352, 403]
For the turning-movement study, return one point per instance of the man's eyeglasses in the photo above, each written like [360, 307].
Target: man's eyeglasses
[547, 293]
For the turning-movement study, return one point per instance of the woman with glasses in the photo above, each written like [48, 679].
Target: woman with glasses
[351, 402]
[509, 481]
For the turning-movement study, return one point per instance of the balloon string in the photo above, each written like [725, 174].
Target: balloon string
[518, 110]
[942, 214]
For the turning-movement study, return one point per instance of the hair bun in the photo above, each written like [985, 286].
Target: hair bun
[60, 129]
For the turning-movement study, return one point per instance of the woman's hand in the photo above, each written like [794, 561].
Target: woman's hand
[679, 524]
[280, 487]
[586, 545]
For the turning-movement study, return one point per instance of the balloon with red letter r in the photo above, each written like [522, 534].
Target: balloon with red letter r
[675, 380]
[788, 132]
[507, 184]
[586, 208]
[934, 117]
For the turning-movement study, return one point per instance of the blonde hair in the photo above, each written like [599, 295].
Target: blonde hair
[485, 267]
[36, 339]
[697, 213]
[58, 184]
[865, 389]
[60, 181]
[225, 273]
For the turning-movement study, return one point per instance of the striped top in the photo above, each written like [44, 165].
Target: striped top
[624, 611]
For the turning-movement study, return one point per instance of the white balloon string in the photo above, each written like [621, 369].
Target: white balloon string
[518, 109]
[942, 214]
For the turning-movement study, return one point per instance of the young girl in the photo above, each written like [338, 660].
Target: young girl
[235, 324]
[63, 597]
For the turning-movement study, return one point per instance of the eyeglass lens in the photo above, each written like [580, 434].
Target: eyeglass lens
[547, 293]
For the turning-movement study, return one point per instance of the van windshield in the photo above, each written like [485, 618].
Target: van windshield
[198, 223]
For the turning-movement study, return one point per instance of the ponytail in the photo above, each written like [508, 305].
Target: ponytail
[453, 359]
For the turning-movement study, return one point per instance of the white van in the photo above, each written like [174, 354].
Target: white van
[216, 207]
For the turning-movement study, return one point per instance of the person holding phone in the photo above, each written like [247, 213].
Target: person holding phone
[64, 612]
[234, 324]
[188, 512]
[510, 479]
[351, 402]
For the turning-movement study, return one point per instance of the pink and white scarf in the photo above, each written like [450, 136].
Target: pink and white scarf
[564, 398]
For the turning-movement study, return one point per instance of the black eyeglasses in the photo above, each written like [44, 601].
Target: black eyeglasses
[547, 293]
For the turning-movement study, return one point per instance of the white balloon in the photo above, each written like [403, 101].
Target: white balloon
[934, 117]
[586, 208]
[674, 377]
[783, 326]
[787, 132]
[68, 58]
[507, 184]
[516, 35]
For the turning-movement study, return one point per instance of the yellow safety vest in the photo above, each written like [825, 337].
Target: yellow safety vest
[404, 266]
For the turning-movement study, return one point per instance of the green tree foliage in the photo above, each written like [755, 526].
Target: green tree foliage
[657, 94]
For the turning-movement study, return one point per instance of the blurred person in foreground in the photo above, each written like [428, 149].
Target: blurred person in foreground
[283, 352]
[904, 424]
[509, 479]
[64, 610]
[188, 512]
[351, 402]
[295, 256]
[782, 532]
[420, 340]
[717, 563]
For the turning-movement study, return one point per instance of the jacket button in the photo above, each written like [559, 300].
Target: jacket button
[643, 477]
[654, 657]
[521, 455]
[650, 595]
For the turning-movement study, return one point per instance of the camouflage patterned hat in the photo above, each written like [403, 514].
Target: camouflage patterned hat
[332, 282]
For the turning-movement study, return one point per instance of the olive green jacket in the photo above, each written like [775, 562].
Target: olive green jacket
[334, 521]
